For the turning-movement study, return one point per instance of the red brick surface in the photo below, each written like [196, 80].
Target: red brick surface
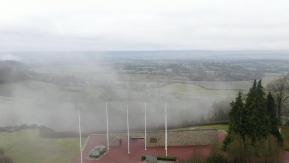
[119, 154]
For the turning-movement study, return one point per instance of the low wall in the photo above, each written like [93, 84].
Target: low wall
[183, 138]
[175, 138]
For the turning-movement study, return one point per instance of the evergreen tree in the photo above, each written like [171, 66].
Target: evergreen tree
[236, 115]
[236, 120]
[255, 119]
[261, 115]
[250, 110]
[273, 118]
[271, 106]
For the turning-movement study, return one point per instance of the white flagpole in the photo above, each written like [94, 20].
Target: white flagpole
[127, 124]
[79, 130]
[107, 131]
[166, 130]
[145, 126]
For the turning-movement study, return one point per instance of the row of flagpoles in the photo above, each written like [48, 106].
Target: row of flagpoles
[128, 131]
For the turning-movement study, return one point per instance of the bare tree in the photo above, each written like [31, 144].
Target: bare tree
[280, 90]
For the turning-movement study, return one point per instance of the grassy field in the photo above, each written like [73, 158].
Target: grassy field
[195, 91]
[222, 127]
[27, 147]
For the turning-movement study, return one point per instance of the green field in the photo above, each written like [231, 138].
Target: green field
[221, 127]
[26, 146]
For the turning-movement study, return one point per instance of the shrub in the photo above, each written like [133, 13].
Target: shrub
[195, 159]
[216, 157]
[143, 158]
[245, 150]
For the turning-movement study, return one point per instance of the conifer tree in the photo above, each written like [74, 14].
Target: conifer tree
[260, 114]
[250, 111]
[236, 115]
[255, 119]
[273, 118]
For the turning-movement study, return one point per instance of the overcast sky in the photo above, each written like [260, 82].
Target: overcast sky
[144, 25]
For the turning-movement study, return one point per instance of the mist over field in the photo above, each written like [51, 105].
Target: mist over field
[46, 88]
[202, 80]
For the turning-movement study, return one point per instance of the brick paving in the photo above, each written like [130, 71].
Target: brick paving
[118, 154]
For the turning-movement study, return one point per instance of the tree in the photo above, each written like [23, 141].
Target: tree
[253, 126]
[236, 120]
[237, 116]
[280, 90]
[273, 118]
[256, 119]
[221, 111]
[251, 119]
[262, 126]
[271, 106]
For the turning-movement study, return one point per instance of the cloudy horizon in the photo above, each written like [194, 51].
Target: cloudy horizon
[33, 25]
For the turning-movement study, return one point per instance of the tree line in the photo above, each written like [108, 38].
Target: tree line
[253, 124]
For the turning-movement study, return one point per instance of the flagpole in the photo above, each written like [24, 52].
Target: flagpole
[79, 130]
[127, 124]
[107, 131]
[145, 126]
[166, 130]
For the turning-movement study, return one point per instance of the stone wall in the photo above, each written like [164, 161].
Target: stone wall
[175, 138]
[183, 137]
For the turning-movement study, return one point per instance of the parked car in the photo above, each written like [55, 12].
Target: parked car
[97, 152]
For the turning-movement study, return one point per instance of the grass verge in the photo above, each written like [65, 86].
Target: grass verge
[26, 146]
